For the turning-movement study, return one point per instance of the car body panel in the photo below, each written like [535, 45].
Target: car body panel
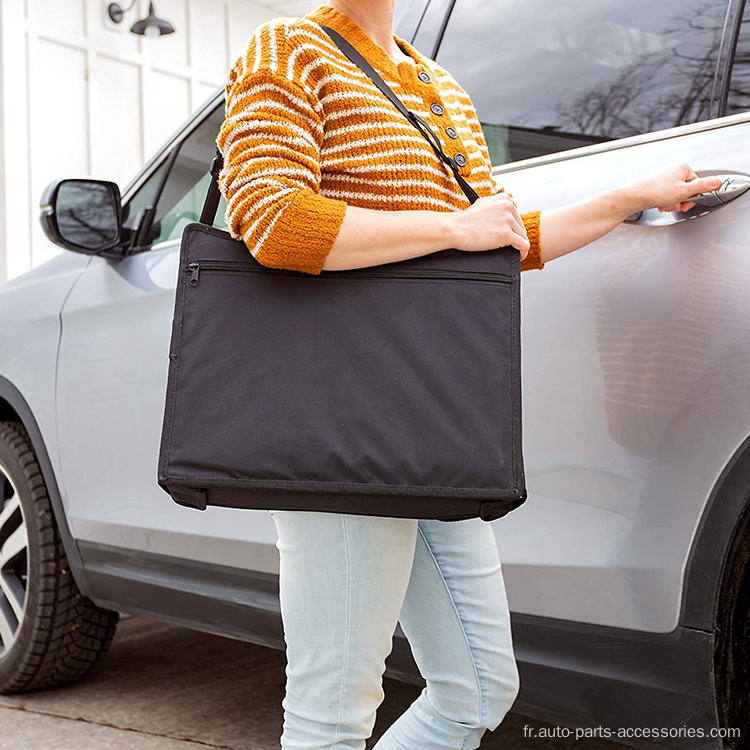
[30, 307]
[636, 369]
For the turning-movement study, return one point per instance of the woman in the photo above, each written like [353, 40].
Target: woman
[322, 172]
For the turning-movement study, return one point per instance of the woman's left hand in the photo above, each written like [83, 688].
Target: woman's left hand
[669, 189]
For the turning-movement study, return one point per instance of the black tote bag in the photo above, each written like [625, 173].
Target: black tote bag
[392, 390]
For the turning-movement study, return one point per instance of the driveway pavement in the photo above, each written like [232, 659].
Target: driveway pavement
[163, 687]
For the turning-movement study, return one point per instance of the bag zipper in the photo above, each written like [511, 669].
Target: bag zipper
[227, 265]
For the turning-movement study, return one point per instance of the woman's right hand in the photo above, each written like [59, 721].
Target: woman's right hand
[490, 222]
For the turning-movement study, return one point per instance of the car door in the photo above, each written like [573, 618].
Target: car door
[112, 372]
[636, 348]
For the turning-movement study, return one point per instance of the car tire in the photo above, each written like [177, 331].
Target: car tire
[50, 633]
[732, 652]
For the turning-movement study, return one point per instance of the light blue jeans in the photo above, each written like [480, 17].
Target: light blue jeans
[344, 582]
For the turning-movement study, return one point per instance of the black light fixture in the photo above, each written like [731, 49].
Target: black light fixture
[150, 26]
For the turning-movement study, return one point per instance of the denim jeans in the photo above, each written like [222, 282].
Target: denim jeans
[344, 582]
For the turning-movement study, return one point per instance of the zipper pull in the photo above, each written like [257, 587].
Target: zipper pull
[195, 268]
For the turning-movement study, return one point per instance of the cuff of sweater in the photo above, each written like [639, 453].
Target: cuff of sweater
[305, 232]
[534, 259]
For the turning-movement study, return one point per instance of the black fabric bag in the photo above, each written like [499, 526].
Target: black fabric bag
[392, 390]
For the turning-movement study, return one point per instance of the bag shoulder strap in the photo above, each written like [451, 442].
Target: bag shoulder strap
[213, 195]
[413, 117]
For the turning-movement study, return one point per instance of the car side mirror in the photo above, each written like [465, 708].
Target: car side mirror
[83, 215]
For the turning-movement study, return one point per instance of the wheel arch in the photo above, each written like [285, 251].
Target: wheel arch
[13, 407]
[727, 506]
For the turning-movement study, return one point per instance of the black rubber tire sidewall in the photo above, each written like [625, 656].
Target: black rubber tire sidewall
[10, 664]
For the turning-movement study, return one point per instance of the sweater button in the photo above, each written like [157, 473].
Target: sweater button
[451, 132]
[423, 76]
[437, 109]
[460, 159]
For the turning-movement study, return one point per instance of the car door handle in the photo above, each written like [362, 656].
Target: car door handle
[733, 186]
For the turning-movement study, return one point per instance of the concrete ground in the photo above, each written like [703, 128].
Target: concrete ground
[163, 687]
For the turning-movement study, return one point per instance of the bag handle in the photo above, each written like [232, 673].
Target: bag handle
[213, 196]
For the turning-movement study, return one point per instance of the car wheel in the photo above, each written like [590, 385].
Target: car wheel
[732, 653]
[50, 634]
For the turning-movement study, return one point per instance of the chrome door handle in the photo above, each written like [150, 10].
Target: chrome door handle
[733, 186]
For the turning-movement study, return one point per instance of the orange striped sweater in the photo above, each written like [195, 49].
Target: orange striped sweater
[306, 133]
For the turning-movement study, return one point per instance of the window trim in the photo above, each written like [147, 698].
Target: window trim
[432, 26]
[726, 61]
[169, 152]
[618, 143]
[410, 21]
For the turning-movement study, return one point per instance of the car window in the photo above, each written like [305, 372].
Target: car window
[406, 17]
[182, 200]
[185, 190]
[738, 99]
[144, 197]
[546, 77]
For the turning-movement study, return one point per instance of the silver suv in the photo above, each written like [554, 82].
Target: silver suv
[627, 569]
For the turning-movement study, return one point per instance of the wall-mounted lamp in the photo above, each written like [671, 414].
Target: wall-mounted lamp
[150, 26]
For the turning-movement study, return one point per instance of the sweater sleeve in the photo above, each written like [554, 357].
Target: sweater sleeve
[530, 219]
[533, 260]
[271, 138]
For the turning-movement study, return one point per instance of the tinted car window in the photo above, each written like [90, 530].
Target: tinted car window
[545, 77]
[185, 190]
[144, 197]
[187, 184]
[406, 16]
[739, 84]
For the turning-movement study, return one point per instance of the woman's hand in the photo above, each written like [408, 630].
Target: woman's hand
[490, 222]
[669, 188]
